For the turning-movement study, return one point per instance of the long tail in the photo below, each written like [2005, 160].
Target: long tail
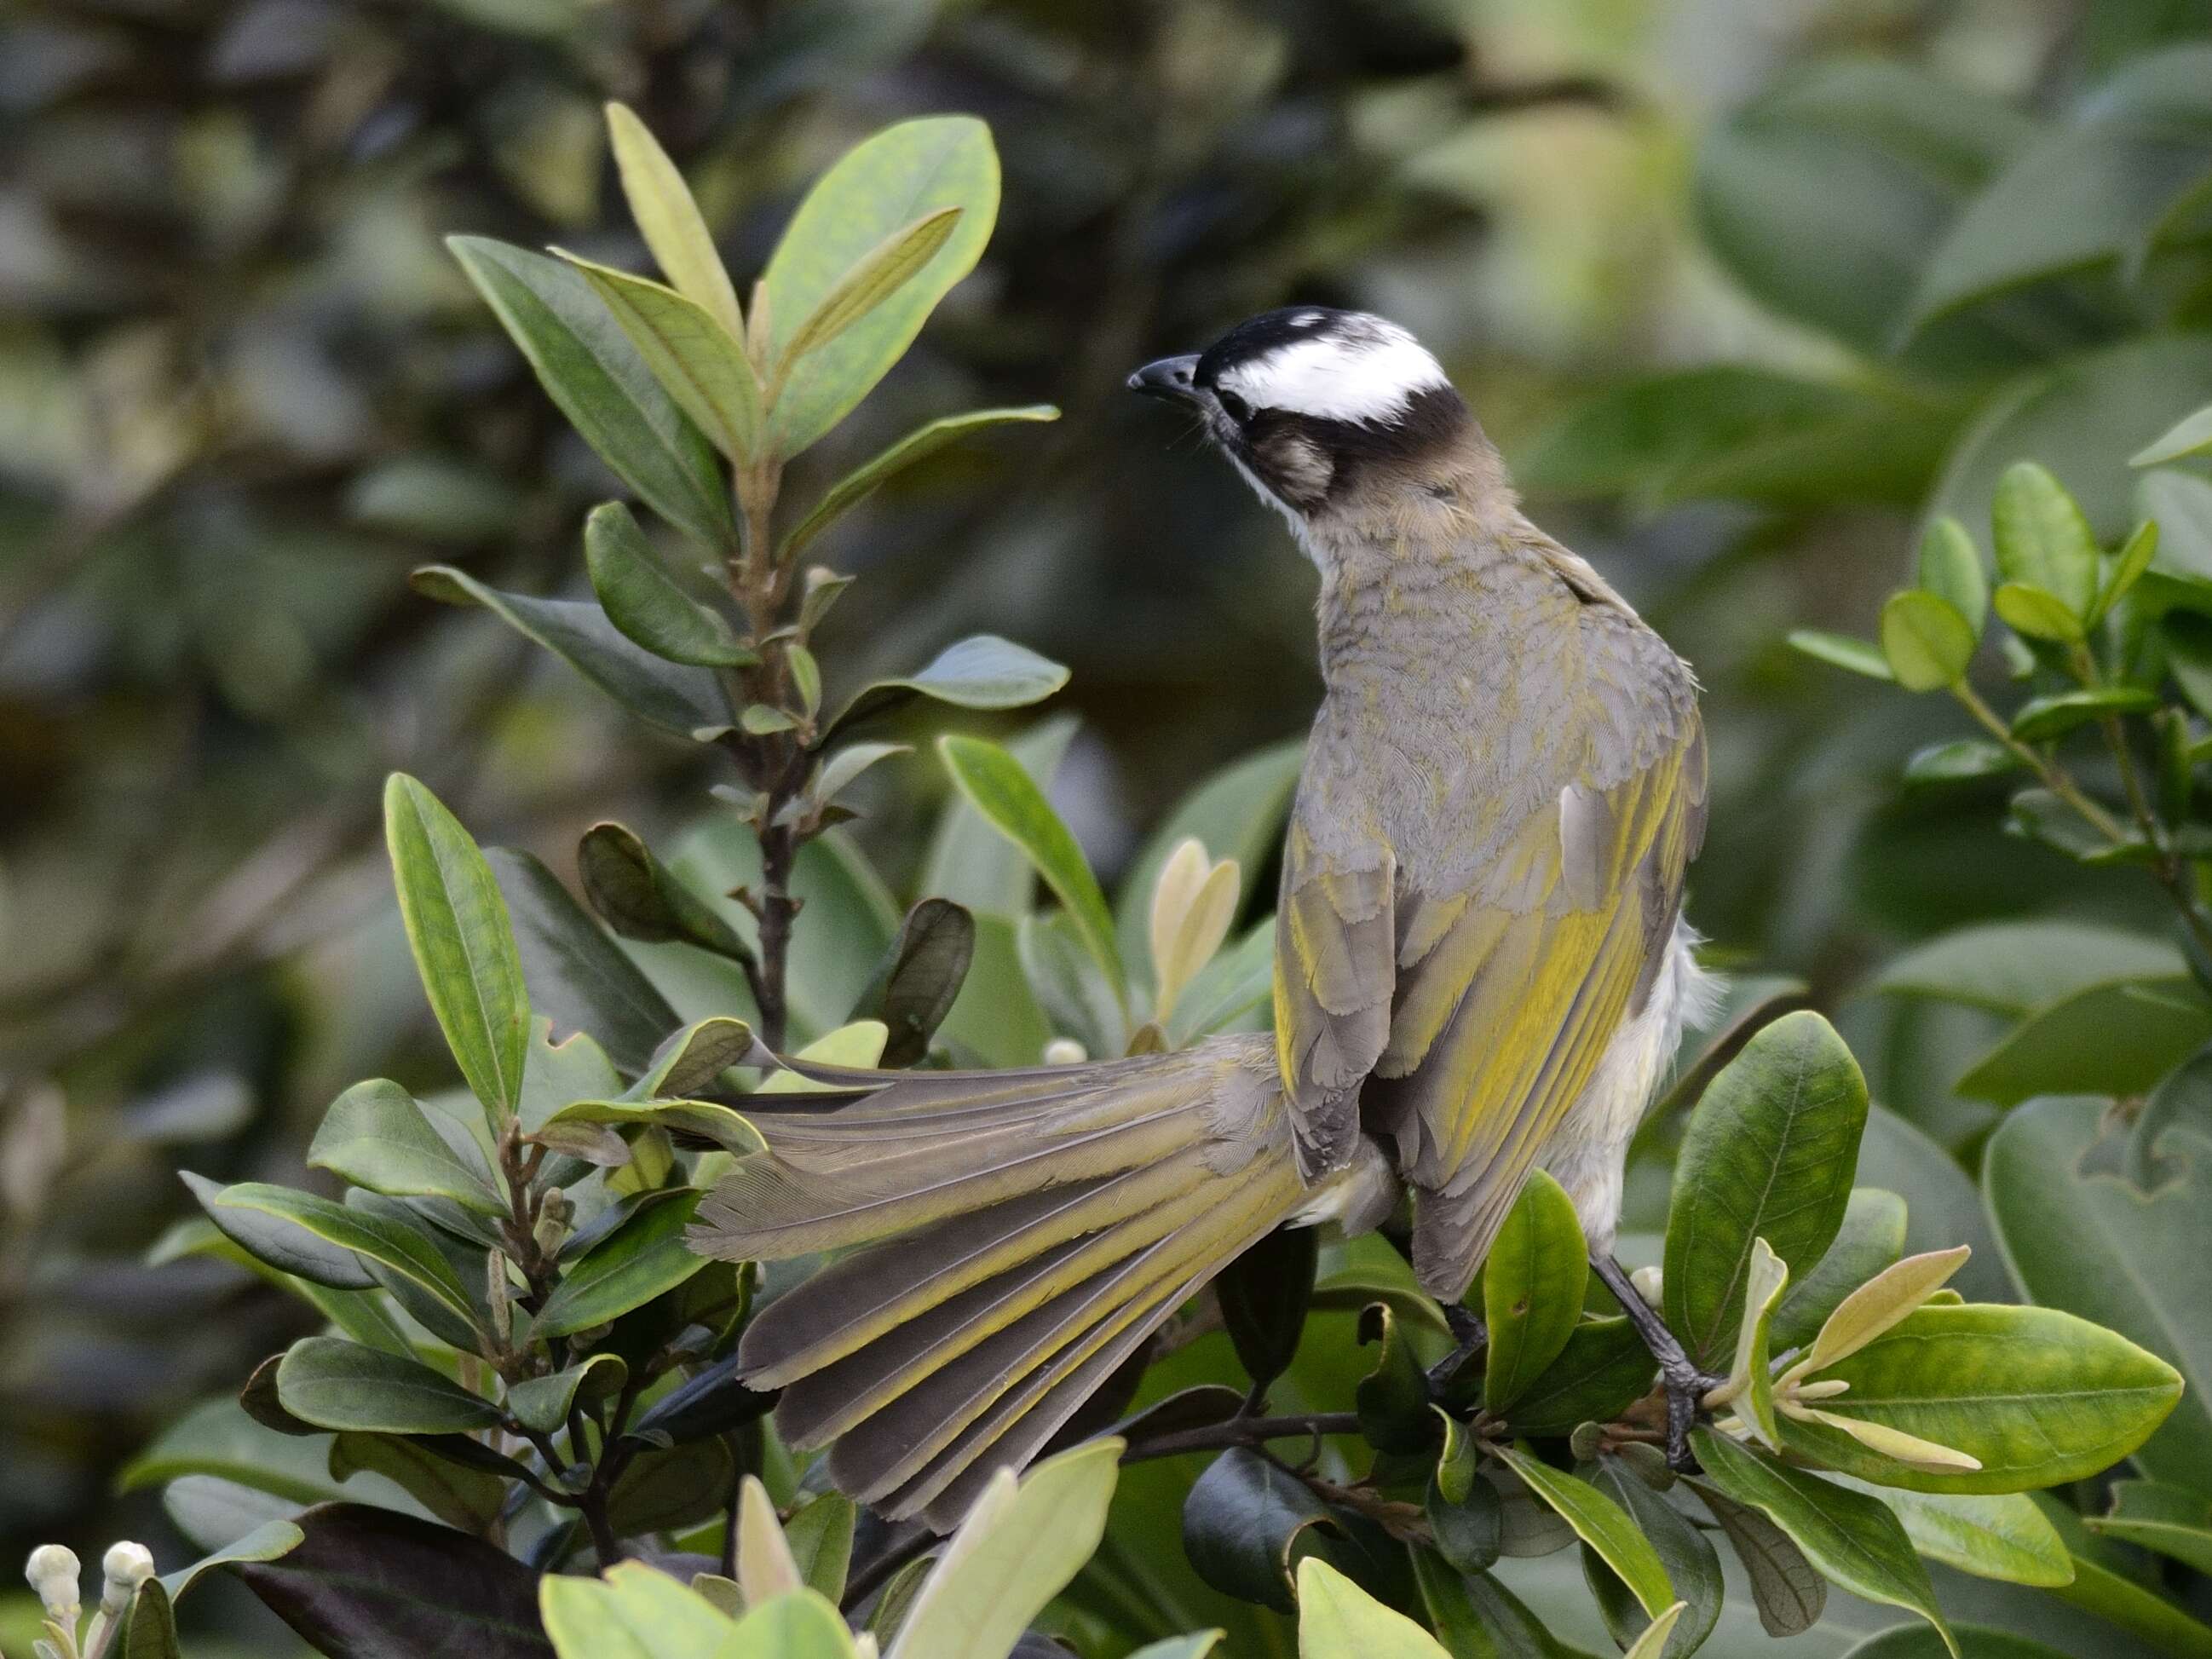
[1021, 1233]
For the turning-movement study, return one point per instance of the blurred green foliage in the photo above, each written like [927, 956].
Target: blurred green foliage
[1747, 300]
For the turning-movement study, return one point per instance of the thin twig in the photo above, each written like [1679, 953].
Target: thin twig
[1243, 1432]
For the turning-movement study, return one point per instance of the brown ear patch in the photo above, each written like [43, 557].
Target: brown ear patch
[1293, 467]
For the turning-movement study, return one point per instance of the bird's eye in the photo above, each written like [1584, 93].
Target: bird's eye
[1236, 409]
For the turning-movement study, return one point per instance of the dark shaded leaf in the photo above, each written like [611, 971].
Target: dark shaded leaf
[920, 978]
[643, 1257]
[369, 1583]
[639, 898]
[1264, 1295]
[578, 976]
[863, 480]
[675, 696]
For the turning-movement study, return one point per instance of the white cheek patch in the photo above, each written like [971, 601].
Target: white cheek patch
[1364, 379]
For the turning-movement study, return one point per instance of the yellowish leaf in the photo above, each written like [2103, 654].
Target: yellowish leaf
[1193, 902]
[668, 218]
[1879, 1303]
[875, 277]
[1907, 1448]
[766, 1567]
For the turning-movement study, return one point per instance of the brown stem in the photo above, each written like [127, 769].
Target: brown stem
[1243, 1432]
[778, 910]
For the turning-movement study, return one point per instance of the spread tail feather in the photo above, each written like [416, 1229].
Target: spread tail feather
[1011, 1237]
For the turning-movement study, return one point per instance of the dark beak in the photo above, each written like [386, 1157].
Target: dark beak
[1171, 378]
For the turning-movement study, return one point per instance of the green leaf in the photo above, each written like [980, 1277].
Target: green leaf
[2128, 1259]
[589, 368]
[1392, 1400]
[1478, 1618]
[1871, 1238]
[217, 1439]
[918, 445]
[1466, 1517]
[996, 785]
[1950, 567]
[1926, 642]
[404, 1252]
[2040, 615]
[2172, 1520]
[469, 1498]
[643, 601]
[1854, 1539]
[1264, 1296]
[2129, 566]
[1692, 1565]
[1769, 1151]
[148, 1629]
[1960, 760]
[1337, 1619]
[643, 1257]
[2098, 1590]
[1975, 1642]
[1533, 1282]
[700, 1120]
[803, 1625]
[542, 1403]
[1603, 1367]
[1022, 1543]
[2099, 188]
[1842, 651]
[2190, 436]
[980, 671]
[693, 356]
[913, 168]
[463, 946]
[1789, 1593]
[2000, 1535]
[820, 1535]
[375, 1135]
[2042, 719]
[638, 897]
[1600, 1523]
[2084, 412]
[2043, 541]
[662, 1489]
[871, 280]
[1825, 196]
[264, 1543]
[694, 1058]
[675, 696]
[2115, 1038]
[279, 1242]
[634, 1613]
[1244, 1526]
[2014, 967]
[336, 1384]
[581, 979]
[1068, 984]
[2038, 1396]
[668, 218]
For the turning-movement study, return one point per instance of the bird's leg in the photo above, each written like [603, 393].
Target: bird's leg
[1685, 1383]
[1472, 1338]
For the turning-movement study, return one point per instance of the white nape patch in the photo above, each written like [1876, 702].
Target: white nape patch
[1366, 374]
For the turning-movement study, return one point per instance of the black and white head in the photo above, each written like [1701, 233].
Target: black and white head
[1315, 404]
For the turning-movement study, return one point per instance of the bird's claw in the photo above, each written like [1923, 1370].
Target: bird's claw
[1686, 1388]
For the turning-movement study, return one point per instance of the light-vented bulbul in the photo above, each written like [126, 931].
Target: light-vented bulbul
[1480, 969]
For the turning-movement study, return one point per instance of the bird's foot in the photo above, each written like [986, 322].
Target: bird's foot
[1470, 1338]
[1684, 1385]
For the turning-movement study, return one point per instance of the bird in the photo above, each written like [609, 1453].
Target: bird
[1481, 969]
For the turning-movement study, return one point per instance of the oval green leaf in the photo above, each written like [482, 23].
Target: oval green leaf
[1533, 1282]
[336, 1384]
[1926, 642]
[463, 944]
[643, 601]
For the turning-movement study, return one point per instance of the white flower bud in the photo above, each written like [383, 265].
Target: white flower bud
[1065, 1051]
[127, 1566]
[1646, 1280]
[54, 1572]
